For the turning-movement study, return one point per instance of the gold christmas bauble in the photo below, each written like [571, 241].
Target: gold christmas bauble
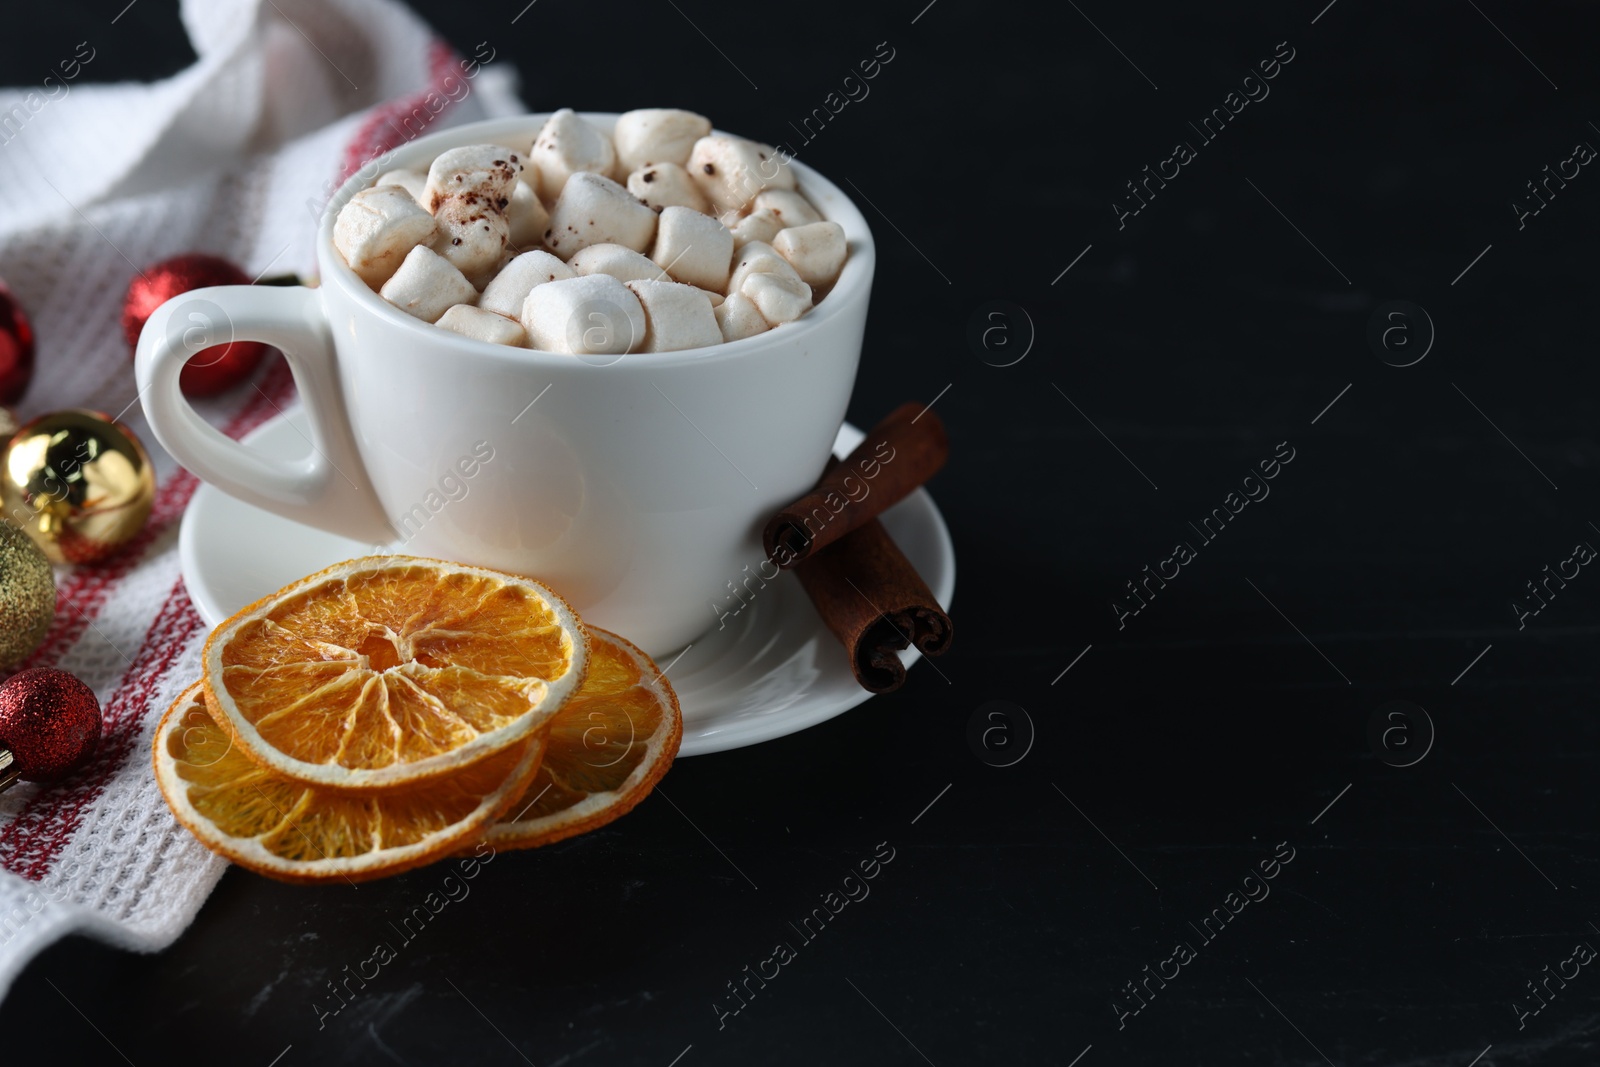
[27, 595]
[78, 482]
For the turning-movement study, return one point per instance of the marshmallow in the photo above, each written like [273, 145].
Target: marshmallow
[471, 234]
[426, 285]
[738, 318]
[657, 135]
[677, 316]
[482, 325]
[761, 225]
[815, 251]
[487, 171]
[377, 228]
[758, 258]
[693, 248]
[596, 210]
[778, 297]
[710, 240]
[623, 264]
[662, 185]
[505, 293]
[412, 181]
[731, 170]
[527, 216]
[790, 207]
[567, 145]
[591, 315]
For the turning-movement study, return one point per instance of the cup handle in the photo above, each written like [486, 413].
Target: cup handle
[328, 488]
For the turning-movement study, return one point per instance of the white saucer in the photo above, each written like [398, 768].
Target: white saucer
[773, 670]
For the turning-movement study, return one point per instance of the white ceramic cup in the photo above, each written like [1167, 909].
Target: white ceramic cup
[636, 489]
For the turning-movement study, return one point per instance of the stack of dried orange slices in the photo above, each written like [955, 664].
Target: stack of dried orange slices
[390, 711]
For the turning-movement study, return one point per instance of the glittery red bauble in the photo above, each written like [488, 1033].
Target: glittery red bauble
[210, 370]
[50, 721]
[16, 348]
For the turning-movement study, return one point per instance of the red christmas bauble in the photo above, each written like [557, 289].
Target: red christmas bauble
[50, 721]
[210, 370]
[16, 348]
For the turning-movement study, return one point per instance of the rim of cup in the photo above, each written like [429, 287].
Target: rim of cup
[517, 133]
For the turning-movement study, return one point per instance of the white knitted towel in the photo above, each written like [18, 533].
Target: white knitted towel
[232, 156]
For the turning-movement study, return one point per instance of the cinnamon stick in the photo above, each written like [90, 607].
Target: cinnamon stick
[896, 456]
[875, 603]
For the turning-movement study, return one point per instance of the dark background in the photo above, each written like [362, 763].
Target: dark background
[1198, 737]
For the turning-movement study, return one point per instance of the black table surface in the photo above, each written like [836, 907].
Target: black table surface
[1325, 792]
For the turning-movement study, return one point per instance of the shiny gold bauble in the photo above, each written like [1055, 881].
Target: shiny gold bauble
[78, 482]
[27, 595]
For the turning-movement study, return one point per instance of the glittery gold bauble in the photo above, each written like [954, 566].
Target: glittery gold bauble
[27, 595]
[78, 482]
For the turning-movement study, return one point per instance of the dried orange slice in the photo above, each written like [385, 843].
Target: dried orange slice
[607, 748]
[298, 833]
[390, 670]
